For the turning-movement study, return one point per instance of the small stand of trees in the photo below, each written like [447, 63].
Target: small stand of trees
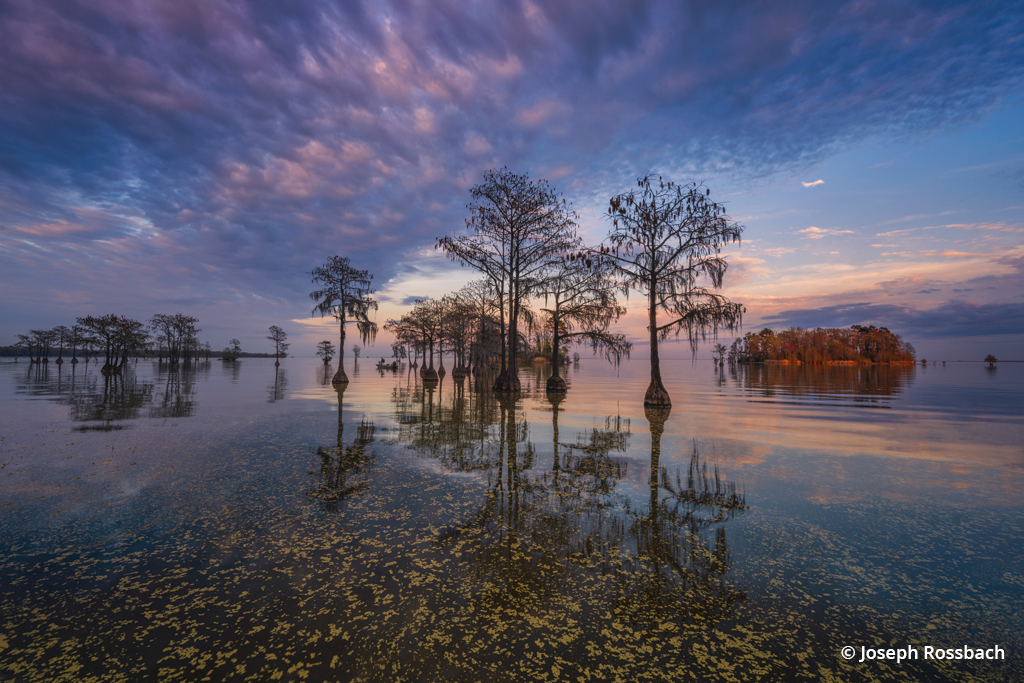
[518, 229]
[232, 351]
[119, 337]
[176, 337]
[856, 344]
[523, 238]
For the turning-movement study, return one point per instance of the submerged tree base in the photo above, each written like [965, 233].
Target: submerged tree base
[340, 377]
[429, 375]
[657, 396]
[556, 385]
[507, 383]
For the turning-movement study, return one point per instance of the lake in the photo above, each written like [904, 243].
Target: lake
[238, 521]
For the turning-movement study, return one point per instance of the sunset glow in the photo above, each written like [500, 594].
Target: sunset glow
[203, 158]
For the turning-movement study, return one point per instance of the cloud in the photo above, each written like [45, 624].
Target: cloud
[778, 251]
[816, 182]
[894, 233]
[948, 320]
[917, 217]
[957, 317]
[815, 233]
[540, 113]
[189, 147]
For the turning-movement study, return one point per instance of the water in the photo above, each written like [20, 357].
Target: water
[232, 523]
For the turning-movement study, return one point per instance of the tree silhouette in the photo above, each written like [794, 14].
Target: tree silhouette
[325, 350]
[61, 335]
[119, 336]
[278, 336]
[666, 237]
[517, 228]
[582, 306]
[346, 296]
[232, 351]
[178, 332]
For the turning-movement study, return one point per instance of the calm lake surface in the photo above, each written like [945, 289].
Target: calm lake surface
[237, 522]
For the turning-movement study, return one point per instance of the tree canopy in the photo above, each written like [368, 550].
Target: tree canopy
[517, 227]
[345, 294]
[666, 243]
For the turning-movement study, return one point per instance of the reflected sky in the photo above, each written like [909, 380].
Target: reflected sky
[775, 514]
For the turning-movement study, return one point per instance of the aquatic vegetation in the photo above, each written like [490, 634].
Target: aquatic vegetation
[441, 531]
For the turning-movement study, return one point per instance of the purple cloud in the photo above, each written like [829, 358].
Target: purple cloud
[204, 154]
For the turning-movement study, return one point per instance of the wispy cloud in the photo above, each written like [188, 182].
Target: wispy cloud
[815, 233]
[894, 233]
[949, 319]
[194, 148]
[778, 251]
[917, 217]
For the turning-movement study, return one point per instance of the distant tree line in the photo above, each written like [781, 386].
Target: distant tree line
[170, 338]
[857, 344]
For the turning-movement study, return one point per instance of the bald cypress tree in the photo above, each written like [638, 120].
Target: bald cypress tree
[345, 294]
[517, 228]
[666, 242]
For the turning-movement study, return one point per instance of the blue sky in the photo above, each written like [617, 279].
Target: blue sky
[203, 157]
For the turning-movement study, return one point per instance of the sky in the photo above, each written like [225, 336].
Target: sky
[202, 157]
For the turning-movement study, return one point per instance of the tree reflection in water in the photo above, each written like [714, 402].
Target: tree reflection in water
[676, 569]
[865, 385]
[275, 391]
[178, 396]
[343, 469]
[110, 400]
[539, 532]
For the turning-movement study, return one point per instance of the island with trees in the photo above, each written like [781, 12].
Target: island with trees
[857, 344]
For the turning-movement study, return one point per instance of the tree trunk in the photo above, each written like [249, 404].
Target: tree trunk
[508, 381]
[556, 464]
[499, 381]
[429, 373]
[657, 395]
[656, 415]
[341, 424]
[555, 382]
[340, 377]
